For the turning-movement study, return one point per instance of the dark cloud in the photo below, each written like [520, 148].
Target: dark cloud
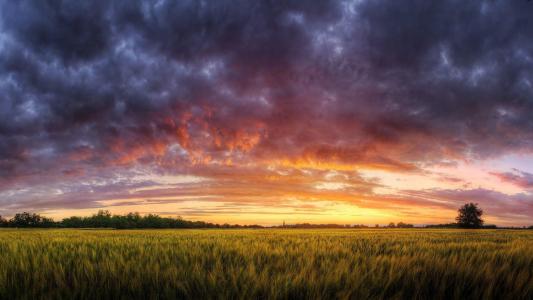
[64, 30]
[115, 84]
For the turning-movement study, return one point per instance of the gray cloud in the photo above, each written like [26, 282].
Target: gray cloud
[164, 83]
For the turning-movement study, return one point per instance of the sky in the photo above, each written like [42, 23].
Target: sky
[259, 112]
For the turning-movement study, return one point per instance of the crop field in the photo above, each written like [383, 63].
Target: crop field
[266, 263]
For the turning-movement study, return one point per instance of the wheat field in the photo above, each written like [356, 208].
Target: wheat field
[266, 264]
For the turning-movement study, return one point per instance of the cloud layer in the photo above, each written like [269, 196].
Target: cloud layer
[238, 92]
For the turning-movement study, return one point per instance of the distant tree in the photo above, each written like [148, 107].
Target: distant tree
[3, 222]
[73, 222]
[101, 219]
[377, 226]
[104, 219]
[404, 225]
[47, 222]
[470, 216]
[391, 225]
[448, 225]
[26, 219]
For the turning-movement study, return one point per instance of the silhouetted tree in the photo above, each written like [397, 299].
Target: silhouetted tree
[73, 222]
[391, 225]
[26, 219]
[470, 216]
[3, 222]
[404, 225]
[104, 219]
[448, 225]
[359, 226]
[47, 222]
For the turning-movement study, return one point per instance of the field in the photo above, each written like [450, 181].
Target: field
[266, 263]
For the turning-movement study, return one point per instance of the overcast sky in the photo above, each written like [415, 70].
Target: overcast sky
[264, 111]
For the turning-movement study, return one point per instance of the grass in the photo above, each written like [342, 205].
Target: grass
[276, 263]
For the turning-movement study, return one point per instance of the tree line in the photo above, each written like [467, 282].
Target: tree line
[317, 226]
[308, 225]
[469, 216]
[104, 219]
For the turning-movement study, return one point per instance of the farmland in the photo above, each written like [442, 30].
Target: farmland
[266, 263]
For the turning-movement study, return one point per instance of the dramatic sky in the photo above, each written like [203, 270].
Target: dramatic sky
[264, 111]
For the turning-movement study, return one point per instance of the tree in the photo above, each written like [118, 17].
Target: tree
[3, 222]
[470, 216]
[26, 219]
[404, 225]
[74, 222]
[101, 219]
[47, 222]
[391, 225]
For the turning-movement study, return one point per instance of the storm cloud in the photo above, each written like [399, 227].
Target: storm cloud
[194, 87]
